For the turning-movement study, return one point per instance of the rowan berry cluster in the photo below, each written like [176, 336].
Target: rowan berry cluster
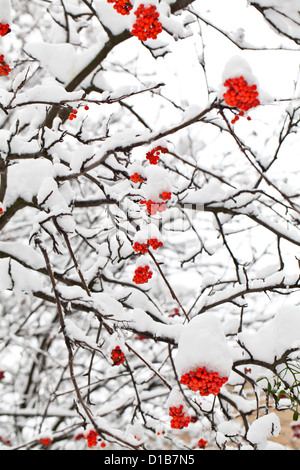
[154, 207]
[4, 67]
[180, 419]
[117, 356]
[73, 114]
[92, 438]
[46, 441]
[147, 25]
[122, 6]
[154, 155]
[202, 443]
[240, 95]
[137, 178]
[165, 195]
[4, 29]
[155, 243]
[204, 382]
[143, 247]
[142, 275]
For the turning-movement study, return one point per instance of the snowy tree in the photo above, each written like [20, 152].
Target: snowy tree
[149, 227]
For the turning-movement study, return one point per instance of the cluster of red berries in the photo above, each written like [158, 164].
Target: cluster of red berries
[73, 114]
[154, 155]
[154, 207]
[142, 275]
[146, 25]
[202, 443]
[165, 195]
[46, 441]
[240, 95]
[117, 356]
[4, 67]
[180, 419]
[4, 29]
[122, 6]
[143, 247]
[204, 382]
[92, 438]
[137, 178]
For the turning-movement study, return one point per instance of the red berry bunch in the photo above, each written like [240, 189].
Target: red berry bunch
[142, 275]
[179, 419]
[92, 438]
[204, 382]
[165, 195]
[202, 443]
[117, 356]
[154, 207]
[154, 155]
[73, 115]
[46, 441]
[240, 95]
[4, 29]
[122, 6]
[143, 247]
[4, 68]
[136, 178]
[154, 243]
[147, 25]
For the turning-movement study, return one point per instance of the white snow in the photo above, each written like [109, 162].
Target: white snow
[275, 336]
[203, 343]
[262, 429]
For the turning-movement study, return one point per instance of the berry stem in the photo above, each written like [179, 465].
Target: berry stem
[174, 296]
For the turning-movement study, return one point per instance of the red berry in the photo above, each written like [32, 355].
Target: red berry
[146, 25]
[142, 275]
[4, 29]
[165, 195]
[136, 178]
[4, 68]
[154, 154]
[180, 419]
[46, 441]
[117, 356]
[204, 382]
[240, 95]
[154, 207]
[103, 444]
[92, 438]
[140, 247]
[202, 443]
[2, 374]
[154, 243]
[86, 107]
